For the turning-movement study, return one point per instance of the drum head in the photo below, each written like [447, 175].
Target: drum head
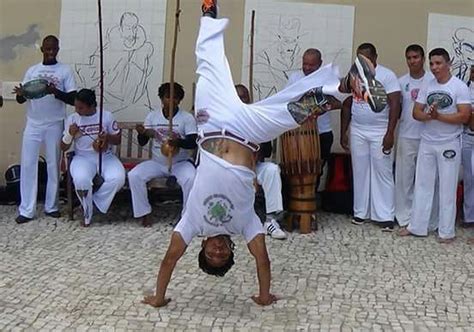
[35, 89]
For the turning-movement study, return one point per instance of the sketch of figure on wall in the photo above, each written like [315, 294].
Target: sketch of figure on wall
[127, 67]
[279, 58]
[463, 45]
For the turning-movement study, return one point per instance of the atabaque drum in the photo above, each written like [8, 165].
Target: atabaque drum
[301, 166]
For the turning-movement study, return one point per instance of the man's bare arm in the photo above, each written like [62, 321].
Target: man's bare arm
[419, 113]
[471, 122]
[175, 251]
[460, 117]
[394, 113]
[258, 249]
[345, 121]
[393, 101]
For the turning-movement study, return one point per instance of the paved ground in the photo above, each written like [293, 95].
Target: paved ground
[56, 275]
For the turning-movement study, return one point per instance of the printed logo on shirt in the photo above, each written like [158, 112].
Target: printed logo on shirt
[50, 78]
[443, 99]
[219, 209]
[449, 154]
[202, 116]
[92, 129]
[414, 94]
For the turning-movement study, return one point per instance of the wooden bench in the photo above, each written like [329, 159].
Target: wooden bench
[130, 154]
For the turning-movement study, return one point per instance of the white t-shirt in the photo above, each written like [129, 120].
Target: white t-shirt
[219, 203]
[468, 137]
[49, 109]
[448, 95]
[408, 127]
[183, 124]
[362, 115]
[324, 121]
[90, 129]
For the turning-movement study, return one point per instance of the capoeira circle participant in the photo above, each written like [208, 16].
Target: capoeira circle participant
[183, 137]
[409, 131]
[221, 200]
[44, 124]
[371, 140]
[83, 129]
[268, 176]
[312, 61]
[468, 162]
[444, 105]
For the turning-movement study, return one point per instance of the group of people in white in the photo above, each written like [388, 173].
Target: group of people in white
[435, 136]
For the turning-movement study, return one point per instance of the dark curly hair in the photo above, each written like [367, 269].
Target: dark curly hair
[87, 96]
[212, 270]
[164, 90]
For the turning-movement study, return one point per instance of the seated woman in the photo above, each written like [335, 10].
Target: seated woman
[83, 128]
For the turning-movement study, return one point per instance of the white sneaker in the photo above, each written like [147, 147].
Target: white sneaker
[274, 230]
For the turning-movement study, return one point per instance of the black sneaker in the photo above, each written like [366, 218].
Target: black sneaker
[357, 221]
[209, 8]
[54, 214]
[22, 219]
[387, 226]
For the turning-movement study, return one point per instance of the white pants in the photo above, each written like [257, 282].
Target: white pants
[268, 176]
[436, 162]
[138, 177]
[216, 95]
[33, 137]
[217, 179]
[405, 167]
[468, 179]
[374, 187]
[83, 171]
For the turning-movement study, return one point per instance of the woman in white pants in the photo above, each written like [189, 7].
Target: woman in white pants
[83, 128]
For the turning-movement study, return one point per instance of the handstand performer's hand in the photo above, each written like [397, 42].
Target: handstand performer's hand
[264, 300]
[154, 301]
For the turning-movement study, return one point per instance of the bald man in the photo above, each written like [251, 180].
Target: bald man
[311, 62]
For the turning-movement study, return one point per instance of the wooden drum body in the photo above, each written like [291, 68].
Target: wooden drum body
[301, 166]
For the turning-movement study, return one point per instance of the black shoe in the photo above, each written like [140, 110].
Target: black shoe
[22, 219]
[54, 214]
[209, 8]
[357, 221]
[387, 226]
[467, 224]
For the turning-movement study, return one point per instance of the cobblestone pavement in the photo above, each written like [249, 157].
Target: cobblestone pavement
[56, 275]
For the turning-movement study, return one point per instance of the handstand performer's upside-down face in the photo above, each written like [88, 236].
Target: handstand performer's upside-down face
[216, 256]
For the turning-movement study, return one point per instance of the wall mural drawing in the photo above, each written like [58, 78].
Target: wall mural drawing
[456, 35]
[133, 52]
[284, 30]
